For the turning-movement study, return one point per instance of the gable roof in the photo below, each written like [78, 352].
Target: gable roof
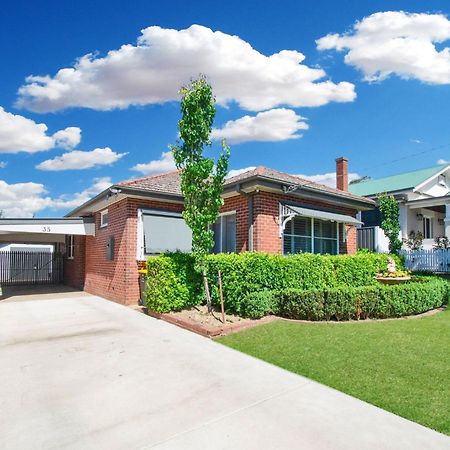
[401, 182]
[169, 183]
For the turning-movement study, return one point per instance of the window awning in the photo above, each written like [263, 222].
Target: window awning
[288, 212]
[323, 215]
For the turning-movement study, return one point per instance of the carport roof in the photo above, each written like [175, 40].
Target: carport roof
[82, 226]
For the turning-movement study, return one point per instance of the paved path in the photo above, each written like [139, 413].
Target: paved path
[79, 372]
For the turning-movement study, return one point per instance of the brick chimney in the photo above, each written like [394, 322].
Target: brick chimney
[342, 173]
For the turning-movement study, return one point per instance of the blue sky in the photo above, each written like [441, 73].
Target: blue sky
[389, 108]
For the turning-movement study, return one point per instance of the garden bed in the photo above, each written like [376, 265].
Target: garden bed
[198, 320]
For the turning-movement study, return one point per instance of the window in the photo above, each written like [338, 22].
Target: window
[165, 231]
[104, 217]
[225, 233]
[308, 235]
[427, 228]
[70, 247]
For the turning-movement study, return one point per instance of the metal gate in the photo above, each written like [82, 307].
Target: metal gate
[30, 267]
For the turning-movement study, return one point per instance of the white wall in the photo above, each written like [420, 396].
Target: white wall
[40, 247]
[381, 242]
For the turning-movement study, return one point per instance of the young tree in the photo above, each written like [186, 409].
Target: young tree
[390, 221]
[202, 178]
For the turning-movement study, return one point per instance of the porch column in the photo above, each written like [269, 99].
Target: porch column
[447, 220]
[403, 210]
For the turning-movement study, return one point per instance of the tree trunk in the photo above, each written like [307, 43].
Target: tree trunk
[208, 296]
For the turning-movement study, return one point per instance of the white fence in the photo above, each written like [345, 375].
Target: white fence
[427, 260]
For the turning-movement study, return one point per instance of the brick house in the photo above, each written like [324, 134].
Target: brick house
[264, 210]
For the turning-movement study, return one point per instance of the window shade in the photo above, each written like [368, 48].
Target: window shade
[166, 232]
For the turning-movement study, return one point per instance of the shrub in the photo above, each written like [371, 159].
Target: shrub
[258, 304]
[301, 304]
[172, 285]
[246, 273]
[376, 301]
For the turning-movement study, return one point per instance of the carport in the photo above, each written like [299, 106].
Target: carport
[33, 251]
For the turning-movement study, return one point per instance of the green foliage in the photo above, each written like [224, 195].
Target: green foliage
[377, 301]
[245, 273]
[201, 178]
[258, 304]
[390, 222]
[248, 273]
[414, 240]
[172, 285]
[296, 303]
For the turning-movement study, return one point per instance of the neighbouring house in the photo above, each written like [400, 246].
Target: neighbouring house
[106, 239]
[424, 201]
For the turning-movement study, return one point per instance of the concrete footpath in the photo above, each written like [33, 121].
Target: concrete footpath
[80, 372]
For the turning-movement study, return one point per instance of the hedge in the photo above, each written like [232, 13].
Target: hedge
[377, 301]
[246, 273]
[173, 284]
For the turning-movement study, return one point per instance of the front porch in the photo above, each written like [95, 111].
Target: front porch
[429, 216]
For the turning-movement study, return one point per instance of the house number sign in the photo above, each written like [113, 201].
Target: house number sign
[46, 229]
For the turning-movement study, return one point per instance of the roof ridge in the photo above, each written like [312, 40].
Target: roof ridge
[436, 166]
[137, 180]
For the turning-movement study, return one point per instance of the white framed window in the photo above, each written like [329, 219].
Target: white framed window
[309, 235]
[162, 231]
[225, 233]
[427, 227]
[70, 247]
[104, 218]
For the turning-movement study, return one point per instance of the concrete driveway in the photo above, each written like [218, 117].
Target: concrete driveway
[80, 372]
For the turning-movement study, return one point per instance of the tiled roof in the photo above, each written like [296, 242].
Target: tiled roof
[166, 183]
[400, 182]
[169, 183]
[277, 176]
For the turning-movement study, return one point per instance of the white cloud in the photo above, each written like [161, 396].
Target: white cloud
[236, 172]
[329, 179]
[443, 161]
[19, 134]
[164, 164]
[396, 42]
[71, 201]
[274, 125]
[68, 138]
[165, 59]
[3, 164]
[78, 159]
[27, 199]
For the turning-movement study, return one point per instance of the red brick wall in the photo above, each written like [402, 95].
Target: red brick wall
[239, 203]
[74, 269]
[266, 229]
[117, 280]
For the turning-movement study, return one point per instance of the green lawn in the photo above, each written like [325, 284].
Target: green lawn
[400, 365]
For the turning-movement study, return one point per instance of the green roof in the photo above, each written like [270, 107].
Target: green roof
[401, 182]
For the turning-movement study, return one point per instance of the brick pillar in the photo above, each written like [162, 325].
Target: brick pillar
[342, 173]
